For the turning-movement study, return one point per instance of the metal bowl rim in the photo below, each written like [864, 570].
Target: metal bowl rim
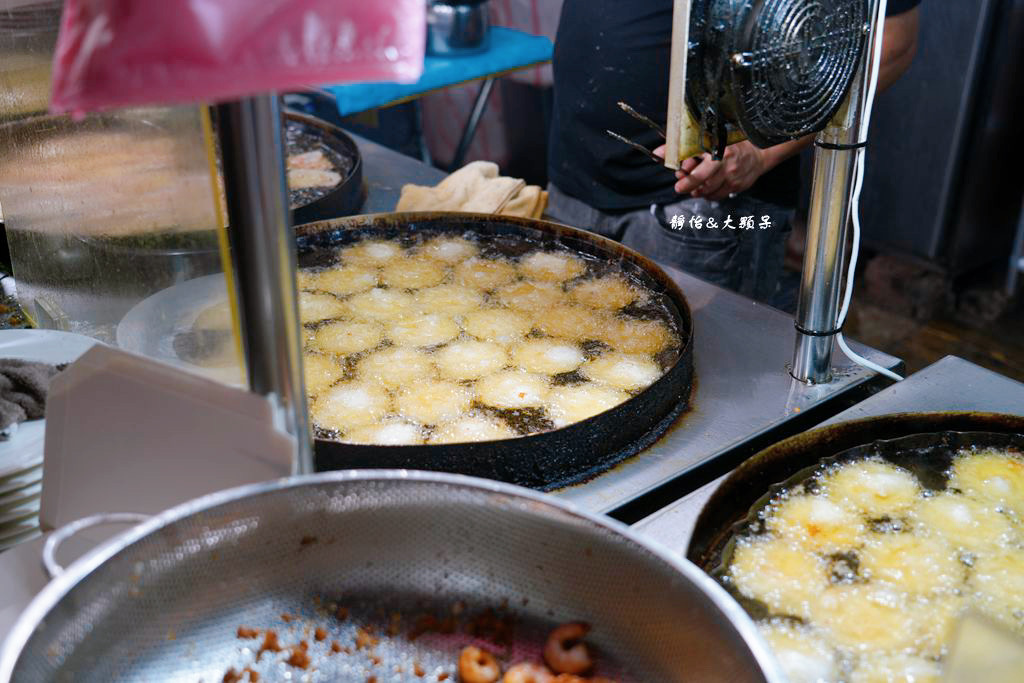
[56, 589]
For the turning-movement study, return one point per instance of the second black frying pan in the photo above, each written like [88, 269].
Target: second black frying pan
[920, 434]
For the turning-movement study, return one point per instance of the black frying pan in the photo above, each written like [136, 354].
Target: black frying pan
[549, 459]
[348, 197]
[905, 438]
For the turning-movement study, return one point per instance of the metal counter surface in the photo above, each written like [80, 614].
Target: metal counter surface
[741, 356]
[950, 384]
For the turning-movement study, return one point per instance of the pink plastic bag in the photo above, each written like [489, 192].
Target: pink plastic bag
[118, 53]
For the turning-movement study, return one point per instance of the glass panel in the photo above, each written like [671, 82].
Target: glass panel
[110, 218]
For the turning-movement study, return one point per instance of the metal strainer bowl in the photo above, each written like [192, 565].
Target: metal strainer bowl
[369, 558]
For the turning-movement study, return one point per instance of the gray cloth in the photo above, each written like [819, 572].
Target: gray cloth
[748, 261]
[23, 388]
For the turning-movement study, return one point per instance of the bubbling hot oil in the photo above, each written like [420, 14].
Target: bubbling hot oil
[450, 339]
[860, 573]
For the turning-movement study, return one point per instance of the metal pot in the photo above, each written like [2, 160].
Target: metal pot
[751, 481]
[165, 600]
[549, 459]
[457, 27]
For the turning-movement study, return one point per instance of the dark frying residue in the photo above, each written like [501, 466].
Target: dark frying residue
[644, 310]
[843, 567]
[568, 378]
[523, 420]
[592, 348]
[298, 141]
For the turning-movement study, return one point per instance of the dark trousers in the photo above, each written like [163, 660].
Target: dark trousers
[738, 255]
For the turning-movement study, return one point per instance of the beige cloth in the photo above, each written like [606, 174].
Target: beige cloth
[476, 187]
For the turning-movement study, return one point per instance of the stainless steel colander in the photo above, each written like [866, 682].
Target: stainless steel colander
[399, 555]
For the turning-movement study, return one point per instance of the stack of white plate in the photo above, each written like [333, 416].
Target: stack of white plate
[21, 456]
[21, 484]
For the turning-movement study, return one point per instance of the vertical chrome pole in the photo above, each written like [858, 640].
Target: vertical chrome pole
[835, 152]
[263, 255]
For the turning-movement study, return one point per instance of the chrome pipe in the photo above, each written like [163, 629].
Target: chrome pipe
[824, 258]
[827, 224]
[263, 256]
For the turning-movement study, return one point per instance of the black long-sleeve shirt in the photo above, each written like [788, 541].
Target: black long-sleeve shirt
[611, 50]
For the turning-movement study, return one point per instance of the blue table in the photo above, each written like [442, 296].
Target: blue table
[508, 51]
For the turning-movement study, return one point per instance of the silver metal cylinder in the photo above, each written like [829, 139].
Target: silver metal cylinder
[827, 222]
[263, 255]
[820, 285]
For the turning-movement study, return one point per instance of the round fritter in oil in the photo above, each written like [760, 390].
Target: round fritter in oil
[805, 657]
[780, 574]
[433, 402]
[484, 274]
[963, 522]
[424, 330]
[574, 403]
[913, 564]
[472, 427]
[448, 299]
[816, 524]
[865, 618]
[371, 252]
[611, 292]
[320, 372]
[470, 359]
[340, 281]
[991, 475]
[530, 296]
[349, 405]
[873, 487]
[551, 266]
[408, 273]
[630, 335]
[513, 389]
[316, 307]
[347, 336]
[387, 305]
[387, 433]
[395, 367]
[449, 250]
[998, 578]
[572, 322]
[497, 325]
[547, 356]
[630, 372]
[895, 668]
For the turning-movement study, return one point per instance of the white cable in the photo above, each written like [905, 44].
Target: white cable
[858, 184]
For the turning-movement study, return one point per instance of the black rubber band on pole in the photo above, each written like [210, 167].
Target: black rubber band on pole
[809, 333]
[841, 147]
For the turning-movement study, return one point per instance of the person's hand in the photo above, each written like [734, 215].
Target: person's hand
[702, 176]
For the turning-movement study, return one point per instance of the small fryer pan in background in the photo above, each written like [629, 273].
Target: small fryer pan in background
[347, 198]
